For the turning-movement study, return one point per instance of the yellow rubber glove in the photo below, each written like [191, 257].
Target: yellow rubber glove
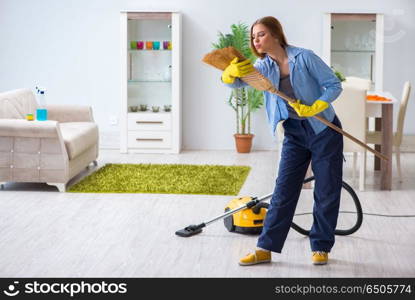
[236, 69]
[307, 110]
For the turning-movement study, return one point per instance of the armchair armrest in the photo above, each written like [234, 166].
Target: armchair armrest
[70, 113]
[33, 129]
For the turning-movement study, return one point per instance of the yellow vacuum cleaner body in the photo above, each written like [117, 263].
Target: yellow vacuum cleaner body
[248, 221]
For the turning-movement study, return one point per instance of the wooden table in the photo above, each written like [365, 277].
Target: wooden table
[382, 111]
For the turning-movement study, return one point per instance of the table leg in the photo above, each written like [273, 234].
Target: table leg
[387, 142]
[378, 127]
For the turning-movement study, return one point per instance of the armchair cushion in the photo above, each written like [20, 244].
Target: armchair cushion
[70, 113]
[78, 137]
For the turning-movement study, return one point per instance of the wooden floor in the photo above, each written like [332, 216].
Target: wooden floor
[44, 233]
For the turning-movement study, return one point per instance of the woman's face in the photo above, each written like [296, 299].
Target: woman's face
[262, 39]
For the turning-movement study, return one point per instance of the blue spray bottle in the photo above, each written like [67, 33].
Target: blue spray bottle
[41, 112]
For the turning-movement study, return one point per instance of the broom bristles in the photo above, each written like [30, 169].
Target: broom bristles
[221, 58]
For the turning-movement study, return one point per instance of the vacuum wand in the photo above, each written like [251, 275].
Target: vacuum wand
[195, 229]
[250, 204]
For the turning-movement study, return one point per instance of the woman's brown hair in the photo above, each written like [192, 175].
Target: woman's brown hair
[275, 28]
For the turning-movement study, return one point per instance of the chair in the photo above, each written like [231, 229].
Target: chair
[358, 82]
[375, 137]
[350, 108]
[52, 151]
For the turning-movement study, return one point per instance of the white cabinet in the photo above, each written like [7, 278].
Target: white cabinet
[353, 45]
[151, 82]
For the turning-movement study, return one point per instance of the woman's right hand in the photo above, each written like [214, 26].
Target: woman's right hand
[237, 69]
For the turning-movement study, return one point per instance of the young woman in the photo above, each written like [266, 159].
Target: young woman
[300, 74]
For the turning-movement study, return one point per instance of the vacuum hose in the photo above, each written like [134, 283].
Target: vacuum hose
[356, 201]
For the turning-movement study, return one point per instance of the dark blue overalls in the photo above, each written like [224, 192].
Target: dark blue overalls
[325, 150]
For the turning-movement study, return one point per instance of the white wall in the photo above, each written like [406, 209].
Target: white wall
[72, 48]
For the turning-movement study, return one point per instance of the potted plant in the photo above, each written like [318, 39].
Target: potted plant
[246, 100]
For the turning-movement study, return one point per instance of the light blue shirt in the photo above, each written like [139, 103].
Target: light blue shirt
[311, 80]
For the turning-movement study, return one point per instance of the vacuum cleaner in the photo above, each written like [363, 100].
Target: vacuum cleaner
[246, 215]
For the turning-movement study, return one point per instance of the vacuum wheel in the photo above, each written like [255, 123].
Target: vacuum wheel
[228, 221]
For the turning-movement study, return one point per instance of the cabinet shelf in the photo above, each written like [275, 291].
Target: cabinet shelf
[148, 81]
[150, 112]
[147, 50]
[353, 51]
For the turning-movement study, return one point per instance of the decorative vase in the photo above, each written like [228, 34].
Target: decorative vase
[243, 142]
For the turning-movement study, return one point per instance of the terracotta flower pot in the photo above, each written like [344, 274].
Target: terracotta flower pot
[243, 142]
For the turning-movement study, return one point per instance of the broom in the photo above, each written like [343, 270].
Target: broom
[221, 58]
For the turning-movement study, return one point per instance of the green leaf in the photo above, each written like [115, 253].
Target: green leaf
[256, 99]
[339, 75]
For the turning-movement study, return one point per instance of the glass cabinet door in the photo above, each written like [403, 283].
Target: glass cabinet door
[353, 44]
[149, 62]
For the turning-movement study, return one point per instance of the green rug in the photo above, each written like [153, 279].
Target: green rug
[164, 179]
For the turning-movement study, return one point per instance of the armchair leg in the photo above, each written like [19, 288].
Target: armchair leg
[61, 186]
[95, 163]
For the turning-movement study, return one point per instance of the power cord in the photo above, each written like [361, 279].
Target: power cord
[368, 214]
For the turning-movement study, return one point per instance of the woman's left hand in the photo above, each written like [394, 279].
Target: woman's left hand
[307, 110]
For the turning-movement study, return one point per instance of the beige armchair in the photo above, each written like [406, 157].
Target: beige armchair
[52, 151]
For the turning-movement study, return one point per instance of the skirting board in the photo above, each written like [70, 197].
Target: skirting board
[111, 140]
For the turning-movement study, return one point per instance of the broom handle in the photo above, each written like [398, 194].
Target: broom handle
[331, 125]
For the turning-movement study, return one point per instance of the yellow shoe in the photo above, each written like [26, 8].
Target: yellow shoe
[258, 257]
[320, 257]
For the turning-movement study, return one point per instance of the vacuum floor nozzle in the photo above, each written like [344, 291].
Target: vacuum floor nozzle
[190, 230]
